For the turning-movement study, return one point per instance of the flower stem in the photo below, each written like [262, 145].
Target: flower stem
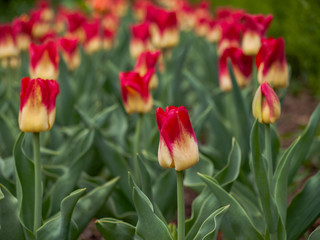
[269, 156]
[136, 149]
[37, 175]
[181, 210]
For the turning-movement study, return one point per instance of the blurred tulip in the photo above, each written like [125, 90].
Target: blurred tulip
[37, 104]
[186, 16]
[146, 61]
[241, 66]
[22, 29]
[8, 45]
[214, 31]
[163, 27]
[266, 106]
[110, 22]
[140, 9]
[39, 26]
[108, 39]
[272, 63]
[140, 39]
[44, 60]
[92, 41]
[75, 21]
[230, 35]
[255, 27]
[135, 91]
[178, 146]
[70, 52]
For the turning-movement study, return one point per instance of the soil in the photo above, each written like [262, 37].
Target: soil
[295, 114]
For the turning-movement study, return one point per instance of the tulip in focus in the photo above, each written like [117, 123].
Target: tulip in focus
[70, 52]
[37, 104]
[272, 64]
[255, 27]
[146, 61]
[135, 91]
[266, 106]
[44, 60]
[140, 39]
[241, 66]
[178, 146]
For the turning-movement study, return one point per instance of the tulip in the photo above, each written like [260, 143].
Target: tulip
[255, 27]
[22, 30]
[140, 9]
[92, 41]
[44, 60]
[140, 39]
[70, 52]
[230, 35]
[163, 27]
[214, 31]
[241, 66]
[75, 30]
[186, 16]
[272, 64]
[37, 104]
[8, 46]
[108, 39]
[146, 61]
[178, 146]
[110, 22]
[266, 106]
[39, 26]
[135, 91]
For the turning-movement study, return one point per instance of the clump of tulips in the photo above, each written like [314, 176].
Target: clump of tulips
[137, 103]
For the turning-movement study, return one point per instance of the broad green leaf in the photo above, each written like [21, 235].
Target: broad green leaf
[145, 178]
[261, 178]
[114, 229]
[304, 208]
[88, 206]
[10, 227]
[315, 235]
[236, 221]
[211, 224]
[7, 171]
[303, 144]
[230, 172]
[149, 224]
[58, 227]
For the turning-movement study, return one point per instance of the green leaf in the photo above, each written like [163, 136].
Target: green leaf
[304, 208]
[114, 229]
[211, 224]
[149, 224]
[261, 178]
[10, 227]
[230, 172]
[236, 221]
[303, 144]
[315, 235]
[88, 206]
[58, 227]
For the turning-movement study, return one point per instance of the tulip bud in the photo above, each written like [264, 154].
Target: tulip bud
[44, 60]
[92, 41]
[70, 52]
[255, 27]
[140, 39]
[272, 63]
[37, 104]
[146, 61]
[178, 146]
[241, 66]
[266, 106]
[135, 91]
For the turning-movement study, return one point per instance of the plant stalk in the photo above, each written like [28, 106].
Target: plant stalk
[269, 156]
[181, 208]
[37, 185]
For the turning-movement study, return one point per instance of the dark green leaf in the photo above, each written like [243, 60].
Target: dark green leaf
[114, 229]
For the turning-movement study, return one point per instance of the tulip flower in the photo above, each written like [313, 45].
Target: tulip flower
[44, 60]
[110, 22]
[92, 41]
[135, 91]
[272, 64]
[70, 52]
[8, 46]
[140, 9]
[22, 29]
[241, 65]
[37, 104]
[108, 39]
[255, 27]
[39, 26]
[146, 61]
[214, 31]
[266, 106]
[178, 146]
[163, 27]
[75, 30]
[140, 39]
[230, 35]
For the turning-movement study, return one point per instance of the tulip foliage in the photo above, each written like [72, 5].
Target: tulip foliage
[128, 94]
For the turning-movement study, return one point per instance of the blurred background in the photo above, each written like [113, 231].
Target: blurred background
[297, 21]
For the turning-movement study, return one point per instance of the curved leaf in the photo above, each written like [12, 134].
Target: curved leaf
[315, 235]
[114, 229]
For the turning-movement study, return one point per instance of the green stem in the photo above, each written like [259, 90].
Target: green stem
[181, 210]
[136, 148]
[37, 176]
[269, 156]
